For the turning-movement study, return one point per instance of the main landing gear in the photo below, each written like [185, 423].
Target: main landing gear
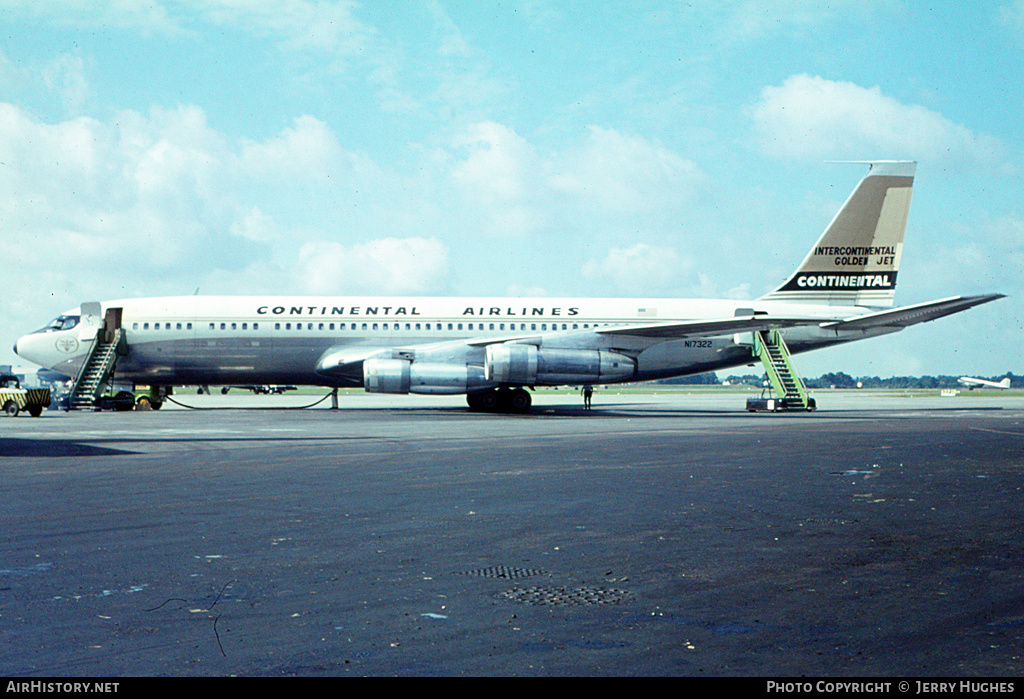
[500, 400]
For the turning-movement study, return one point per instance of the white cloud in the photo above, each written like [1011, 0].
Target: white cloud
[524, 190]
[812, 117]
[307, 150]
[65, 76]
[616, 171]
[639, 268]
[503, 175]
[385, 266]
[1011, 15]
[145, 15]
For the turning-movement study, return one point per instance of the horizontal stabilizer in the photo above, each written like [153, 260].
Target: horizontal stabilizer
[911, 315]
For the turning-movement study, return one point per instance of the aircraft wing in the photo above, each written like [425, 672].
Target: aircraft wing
[676, 330]
[707, 328]
[911, 315]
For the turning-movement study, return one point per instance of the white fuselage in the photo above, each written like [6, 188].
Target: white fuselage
[192, 340]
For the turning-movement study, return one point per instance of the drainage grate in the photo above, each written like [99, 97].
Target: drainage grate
[505, 572]
[566, 595]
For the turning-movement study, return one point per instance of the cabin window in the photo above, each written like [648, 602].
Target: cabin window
[234, 326]
[255, 326]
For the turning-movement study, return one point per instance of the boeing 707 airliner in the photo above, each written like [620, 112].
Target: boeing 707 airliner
[494, 349]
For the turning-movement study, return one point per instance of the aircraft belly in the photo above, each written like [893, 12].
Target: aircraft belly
[220, 361]
[686, 357]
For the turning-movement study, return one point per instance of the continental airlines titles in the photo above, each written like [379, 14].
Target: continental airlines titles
[409, 311]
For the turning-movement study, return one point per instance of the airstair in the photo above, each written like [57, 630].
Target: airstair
[96, 370]
[789, 389]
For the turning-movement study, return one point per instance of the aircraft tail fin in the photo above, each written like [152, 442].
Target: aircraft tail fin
[855, 261]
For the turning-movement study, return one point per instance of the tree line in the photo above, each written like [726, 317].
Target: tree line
[841, 379]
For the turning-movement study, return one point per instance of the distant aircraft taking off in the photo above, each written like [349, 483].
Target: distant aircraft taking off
[493, 349]
[973, 383]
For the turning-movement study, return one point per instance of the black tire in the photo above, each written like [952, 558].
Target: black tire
[519, 400]
[125, 401]
[488, 400]
[11, 408]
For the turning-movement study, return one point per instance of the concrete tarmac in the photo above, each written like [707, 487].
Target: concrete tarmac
[653, 535]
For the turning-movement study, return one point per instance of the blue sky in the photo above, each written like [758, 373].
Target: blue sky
[156, 147]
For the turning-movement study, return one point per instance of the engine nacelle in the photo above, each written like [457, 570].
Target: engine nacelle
[528, 365]
[381, 375]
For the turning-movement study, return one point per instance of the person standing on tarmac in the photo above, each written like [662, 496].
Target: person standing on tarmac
[587, 392]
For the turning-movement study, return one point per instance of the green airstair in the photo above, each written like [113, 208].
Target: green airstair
[97, 369]
[788, 387]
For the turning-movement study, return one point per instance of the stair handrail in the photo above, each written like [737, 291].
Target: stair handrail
[111, 350]
[85, 365]
[761, 344]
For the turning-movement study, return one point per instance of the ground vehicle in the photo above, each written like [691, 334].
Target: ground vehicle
[13, 398]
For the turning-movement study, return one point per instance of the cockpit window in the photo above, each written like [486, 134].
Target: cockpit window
[63, 323]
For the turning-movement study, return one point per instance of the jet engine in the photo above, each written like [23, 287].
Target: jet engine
[528, 365]
[387, 375]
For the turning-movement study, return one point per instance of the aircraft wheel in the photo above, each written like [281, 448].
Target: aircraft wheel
[488, 400]
[519, 400]
[476, 400]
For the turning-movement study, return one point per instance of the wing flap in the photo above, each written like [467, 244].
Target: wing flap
[911, 315]
[707, 328]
